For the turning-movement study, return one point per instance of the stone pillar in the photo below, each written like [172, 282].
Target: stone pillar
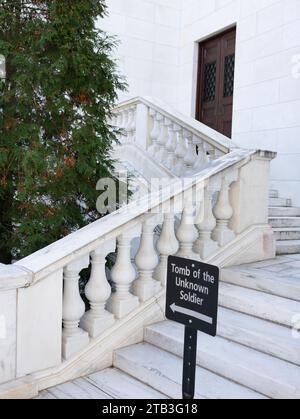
[167, 245]
[206, 223]
[97, 291]
[223, 212]
[74, 338]
[187, 234]
[122, 302]
[145, 287]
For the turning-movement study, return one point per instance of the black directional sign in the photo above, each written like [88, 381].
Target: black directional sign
[192, 294]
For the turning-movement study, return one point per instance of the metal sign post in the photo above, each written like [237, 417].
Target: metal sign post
[189, 363]
[192, 300]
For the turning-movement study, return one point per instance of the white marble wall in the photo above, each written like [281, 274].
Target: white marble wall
[7, 335]
[267, 83]
[148, 53]
[158, 54]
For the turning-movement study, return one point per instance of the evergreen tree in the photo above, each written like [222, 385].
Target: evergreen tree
[58, 94]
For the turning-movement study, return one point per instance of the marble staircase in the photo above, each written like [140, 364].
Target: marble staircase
[256, 354]
[285, 220]
[212, 207]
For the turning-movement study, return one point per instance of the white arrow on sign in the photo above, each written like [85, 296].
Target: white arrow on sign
[191, 313]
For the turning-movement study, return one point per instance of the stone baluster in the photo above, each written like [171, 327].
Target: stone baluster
[218, 154]
[119, 119]
[167, 245]
[160, 128]
[129, 124]
[206, 148]
[97, 291]
[171, 147]
[146, 260]
[187, 234]
[206, 223]
[74, 338]
[180, 153]
[125, 125]
[212, 153]
[202, 159]
[191, 156]
[223, 212]
[133, 125]
[119, 125]
[116, 118]
[153, 149]
[162, 140]
[122, 302]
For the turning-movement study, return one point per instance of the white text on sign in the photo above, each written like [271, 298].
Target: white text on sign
[189, 290]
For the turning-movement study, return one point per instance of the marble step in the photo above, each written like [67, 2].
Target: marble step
[123, 386]
[258, 334]
[107, 384]
[273, 193]
[287, 233]
[287, 247]
[77, 389]
[277, 222]
[280, 202]
[263, 280]
[284, 211]
[163, 371]
[262, 373]
[259, 304]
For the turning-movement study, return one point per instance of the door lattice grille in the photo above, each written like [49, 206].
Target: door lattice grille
[229, 75]
[210, 74]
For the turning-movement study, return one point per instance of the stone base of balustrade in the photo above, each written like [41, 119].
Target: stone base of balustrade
[73, 344]
[205, 248]
[145, 290]
[95, 326]
[120, 307]
[223, 237]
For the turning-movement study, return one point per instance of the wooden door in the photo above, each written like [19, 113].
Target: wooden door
[216, 82]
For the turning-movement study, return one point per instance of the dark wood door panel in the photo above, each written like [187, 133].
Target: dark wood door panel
[216, 82]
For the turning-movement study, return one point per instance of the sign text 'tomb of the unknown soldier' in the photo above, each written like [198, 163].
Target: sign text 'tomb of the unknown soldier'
[192, 294]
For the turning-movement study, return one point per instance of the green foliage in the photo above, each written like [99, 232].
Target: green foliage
[60, 87]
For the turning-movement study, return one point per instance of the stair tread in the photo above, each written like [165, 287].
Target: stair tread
[77, 389]
[286, 228]
[286, 243]
[110, 383]
[278, 222]
[263, 373]
[286, 247]
[123, 386]
[280, 217]
[259, 304]
[259, 334]
[280, 202]
[282, 283]
[163, 370]
[275, 212]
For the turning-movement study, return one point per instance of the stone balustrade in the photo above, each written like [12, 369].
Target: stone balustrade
[207, 217]
[171, 141]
